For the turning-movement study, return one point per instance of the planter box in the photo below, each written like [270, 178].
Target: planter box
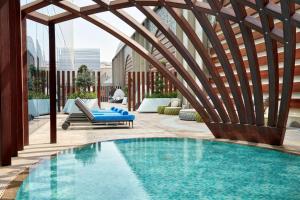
[37, 107]
[149, 105]
[70, 106]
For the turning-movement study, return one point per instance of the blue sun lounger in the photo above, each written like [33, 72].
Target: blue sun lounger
[114, 115]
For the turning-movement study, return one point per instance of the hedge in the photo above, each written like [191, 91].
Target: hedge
[172, 110]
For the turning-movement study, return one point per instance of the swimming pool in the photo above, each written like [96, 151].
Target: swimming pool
[165, 168]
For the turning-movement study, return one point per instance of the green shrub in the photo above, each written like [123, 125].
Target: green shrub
[161, 109]
[198, 118]
[172, 110]
[83, 95]
[162, 95]
[37, 95]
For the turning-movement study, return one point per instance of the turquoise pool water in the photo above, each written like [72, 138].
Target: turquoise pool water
[165, 169]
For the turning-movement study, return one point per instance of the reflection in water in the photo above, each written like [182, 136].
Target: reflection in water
[165, 169]
[88, 153]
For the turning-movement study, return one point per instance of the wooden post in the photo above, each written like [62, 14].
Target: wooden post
[16, 76]
[58, 90]
[152, 82]
[25, 82]
[166, 85]
[175, 74]
[94, 86]
[170, 89]
[5, 85]
[63, 88]
[133, 91]
[99, 89]
[148, 83]
[52, 66]
[19, 81]
[138, 88]
[129, 91]
[68, 83]
[143, 85]
[47, 82]
[73, 82]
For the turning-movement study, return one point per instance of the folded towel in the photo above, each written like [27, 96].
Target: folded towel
[125, 112]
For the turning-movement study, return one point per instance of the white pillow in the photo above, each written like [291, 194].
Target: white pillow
[175, 103]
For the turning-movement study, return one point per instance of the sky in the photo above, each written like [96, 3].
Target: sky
[87, 35]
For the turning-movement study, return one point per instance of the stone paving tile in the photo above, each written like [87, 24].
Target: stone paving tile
[146, 125]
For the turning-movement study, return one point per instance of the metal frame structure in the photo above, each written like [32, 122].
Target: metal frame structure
[239, 118]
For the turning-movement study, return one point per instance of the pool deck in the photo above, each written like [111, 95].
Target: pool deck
[145, 125]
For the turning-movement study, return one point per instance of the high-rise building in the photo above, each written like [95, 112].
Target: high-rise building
[87, 56]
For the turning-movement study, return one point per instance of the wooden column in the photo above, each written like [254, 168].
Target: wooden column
[63, 88]
[143, 85]
[138, 88]
[169, 86]
[25, 82]
[129, 91]
[99, 89]
[15, 59]
[152, 82]
[166, 85]
[94, 86]
[5, 85]
[58, 90]
[47, 82]
[148, 83]
[133, 91]
[52, 66]
[175, 74]
[68, 84]
[73, 82]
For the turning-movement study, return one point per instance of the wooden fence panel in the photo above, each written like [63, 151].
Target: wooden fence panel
[63, 88]
[129, 91]
[143, 85]
[58, 91]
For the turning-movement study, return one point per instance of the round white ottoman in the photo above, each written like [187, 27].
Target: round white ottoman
[187, 114]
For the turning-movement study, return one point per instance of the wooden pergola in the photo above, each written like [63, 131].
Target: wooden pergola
[240, 117]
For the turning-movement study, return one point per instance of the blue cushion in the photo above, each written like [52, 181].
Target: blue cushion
[125, 112]
[112, 108]
[120, 111]
[113, 117]
[102, 111]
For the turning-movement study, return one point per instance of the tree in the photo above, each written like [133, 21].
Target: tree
[85, 79]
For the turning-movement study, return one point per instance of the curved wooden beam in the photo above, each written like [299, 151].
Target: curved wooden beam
[288, 10]
[145, 54]
[226, 122]
[168, 55]
[33, 6]
[238, 60]
[212, 36]
[226, 13]
[249, 42]
[164, 28]
[210, 66]
[272, 54]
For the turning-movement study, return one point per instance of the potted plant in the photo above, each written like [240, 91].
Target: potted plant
[158, 98]
[85, 80]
